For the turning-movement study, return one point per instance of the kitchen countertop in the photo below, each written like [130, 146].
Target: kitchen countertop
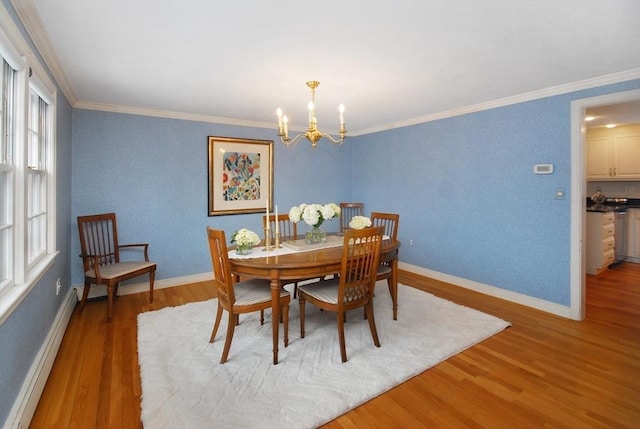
[632, 203]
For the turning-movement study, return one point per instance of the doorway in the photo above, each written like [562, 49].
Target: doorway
[578, 194]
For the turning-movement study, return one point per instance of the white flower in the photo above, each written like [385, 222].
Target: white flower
[313, 214]
[359, 222]
[295, 214]
[244, 237]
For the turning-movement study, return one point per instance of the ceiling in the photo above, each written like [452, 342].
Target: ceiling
[391, 63]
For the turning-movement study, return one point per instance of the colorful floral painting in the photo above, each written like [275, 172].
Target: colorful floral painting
[241, 176]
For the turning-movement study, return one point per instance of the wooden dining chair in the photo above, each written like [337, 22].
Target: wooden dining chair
[241, 297]
[353, 288]
[347, 212]
[386, 268]
[288, 230]
[100, 253]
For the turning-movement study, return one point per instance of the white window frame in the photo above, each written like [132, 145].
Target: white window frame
[30, 77]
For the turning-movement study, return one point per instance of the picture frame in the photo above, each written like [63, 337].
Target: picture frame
[240, 178]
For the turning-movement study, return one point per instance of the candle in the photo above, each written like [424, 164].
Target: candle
[267, 212]
[279, 113]
[311, 115]
[277, 222]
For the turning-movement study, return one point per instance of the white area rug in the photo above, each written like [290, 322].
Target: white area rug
[185, 386]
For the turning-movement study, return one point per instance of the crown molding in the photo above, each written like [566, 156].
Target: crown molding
[30, 19]
[26, 11]
[130, 110]
[527, 96]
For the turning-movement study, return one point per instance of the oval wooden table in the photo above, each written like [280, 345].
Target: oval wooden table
[281, 269]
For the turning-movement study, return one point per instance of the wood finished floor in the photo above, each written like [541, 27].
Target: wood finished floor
[542, 372]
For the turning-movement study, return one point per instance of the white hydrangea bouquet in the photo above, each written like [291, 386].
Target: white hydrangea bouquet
[244, 240]
[313, 215]
[360, 222]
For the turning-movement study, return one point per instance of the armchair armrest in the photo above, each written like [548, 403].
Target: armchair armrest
[144, 245]
[94, 263]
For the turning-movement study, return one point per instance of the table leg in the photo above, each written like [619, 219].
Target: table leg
[275, 315]
[394, 287]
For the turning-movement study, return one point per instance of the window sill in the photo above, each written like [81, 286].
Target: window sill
[14, 296]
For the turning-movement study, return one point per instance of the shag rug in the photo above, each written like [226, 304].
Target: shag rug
[185, 386]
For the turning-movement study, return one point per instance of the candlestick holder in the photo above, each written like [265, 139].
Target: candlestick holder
[267, 240]
[277, 239]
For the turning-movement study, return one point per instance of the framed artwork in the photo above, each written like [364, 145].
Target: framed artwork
[240, 175]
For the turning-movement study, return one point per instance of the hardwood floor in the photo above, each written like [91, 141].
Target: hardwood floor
[542, 372]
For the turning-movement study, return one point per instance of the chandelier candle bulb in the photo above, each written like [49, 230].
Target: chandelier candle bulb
[279, 113]
[341, 110]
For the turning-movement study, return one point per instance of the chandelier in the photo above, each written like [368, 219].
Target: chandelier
[312, 134]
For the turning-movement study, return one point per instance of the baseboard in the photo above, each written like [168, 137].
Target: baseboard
[27, 400]
[101, 290]
[518, 298]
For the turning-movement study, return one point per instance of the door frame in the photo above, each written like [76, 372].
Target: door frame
[578, 194]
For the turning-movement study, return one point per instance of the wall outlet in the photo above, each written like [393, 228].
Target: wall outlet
[410, 242]
[58, 286]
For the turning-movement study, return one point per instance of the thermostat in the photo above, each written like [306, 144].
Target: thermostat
[543, 168]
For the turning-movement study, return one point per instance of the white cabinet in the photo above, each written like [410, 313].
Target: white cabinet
[600, 241]
[614, 154]
[633, 235]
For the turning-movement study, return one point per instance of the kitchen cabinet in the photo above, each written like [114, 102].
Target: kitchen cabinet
[614, 154]
[633, 236]
[600, 241]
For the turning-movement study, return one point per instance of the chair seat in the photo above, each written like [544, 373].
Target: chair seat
[254, 291]
[120, 269]
[383, 270]
[326, 291]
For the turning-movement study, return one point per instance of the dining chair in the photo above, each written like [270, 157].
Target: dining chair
[288, 232]
[353, 288]
[240, 297]
[100, 253]
[347, 212]
[390, 223]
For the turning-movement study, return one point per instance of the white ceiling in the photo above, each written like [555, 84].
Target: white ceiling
[390, 62]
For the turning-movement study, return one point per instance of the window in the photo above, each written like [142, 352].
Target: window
[27, 169]
[7, 173]
[37, 178]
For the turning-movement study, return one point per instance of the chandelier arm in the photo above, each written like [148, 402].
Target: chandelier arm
[338, 142]
[292, 141]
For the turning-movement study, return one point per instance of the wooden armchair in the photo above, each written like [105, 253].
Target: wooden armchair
[240, 297]
[388, 268]
[347, 212]
[355, 285]
[101, 258]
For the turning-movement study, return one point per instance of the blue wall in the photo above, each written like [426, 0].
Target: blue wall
[153, 173]
[468, 198]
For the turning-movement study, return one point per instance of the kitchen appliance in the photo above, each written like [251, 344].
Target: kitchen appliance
[620, 235]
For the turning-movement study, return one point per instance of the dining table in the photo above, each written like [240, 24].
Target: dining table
[297, 260]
